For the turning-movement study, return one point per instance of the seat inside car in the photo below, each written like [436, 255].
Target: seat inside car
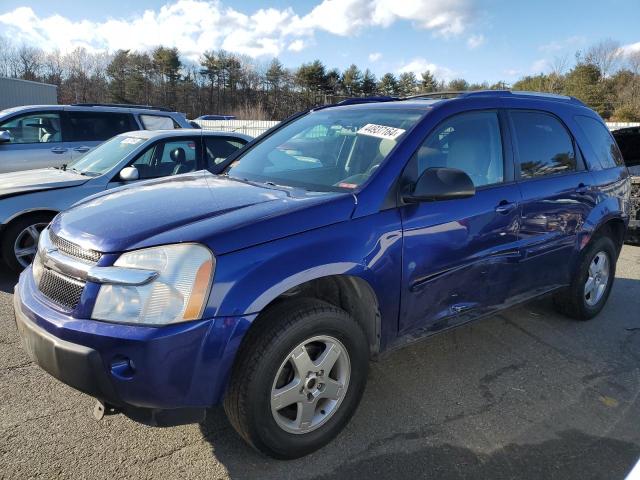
[179, 156]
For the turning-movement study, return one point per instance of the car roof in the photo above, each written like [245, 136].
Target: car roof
[182, 132]
[427, 101]
[91, 108]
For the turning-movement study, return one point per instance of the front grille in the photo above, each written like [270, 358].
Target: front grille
[60, 289]
[73, 250]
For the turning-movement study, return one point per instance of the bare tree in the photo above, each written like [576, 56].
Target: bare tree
[29, 62]
[606, 55]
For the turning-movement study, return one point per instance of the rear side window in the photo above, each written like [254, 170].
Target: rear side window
[601, 141]
[217, 149]
[543, 144]
[157, 122]
[98, 126]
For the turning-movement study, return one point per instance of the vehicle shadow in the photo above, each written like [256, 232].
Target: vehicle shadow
[8, 280]
[525, 394]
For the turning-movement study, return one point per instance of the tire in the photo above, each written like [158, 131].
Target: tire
[574, 301]
[18, 230]
[265, 353]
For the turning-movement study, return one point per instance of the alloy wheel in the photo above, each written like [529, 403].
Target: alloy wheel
[310, 384]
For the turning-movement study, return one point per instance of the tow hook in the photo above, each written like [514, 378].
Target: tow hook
[101, 409]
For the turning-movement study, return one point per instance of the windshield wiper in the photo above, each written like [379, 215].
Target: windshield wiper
[79, 172]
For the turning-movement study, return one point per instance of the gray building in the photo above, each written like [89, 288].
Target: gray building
[14, 93]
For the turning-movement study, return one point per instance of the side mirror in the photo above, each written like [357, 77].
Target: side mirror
[5, 136]
[441, 184]
[129, 174]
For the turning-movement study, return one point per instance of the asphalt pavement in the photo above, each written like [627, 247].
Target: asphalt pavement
[527, 394]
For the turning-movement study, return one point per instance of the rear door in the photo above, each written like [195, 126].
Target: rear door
[557, 196]
[460, 256]
[86, 129]
[36, 142]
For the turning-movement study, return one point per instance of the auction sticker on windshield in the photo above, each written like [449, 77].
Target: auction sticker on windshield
[381, 131]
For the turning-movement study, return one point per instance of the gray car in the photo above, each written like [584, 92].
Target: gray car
[30, 199]
[53, 135]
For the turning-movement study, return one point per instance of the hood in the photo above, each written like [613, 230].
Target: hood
[41, 179]
[223, 213]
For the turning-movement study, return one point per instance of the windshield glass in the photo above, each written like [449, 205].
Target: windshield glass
[329, 150]
[106, 155]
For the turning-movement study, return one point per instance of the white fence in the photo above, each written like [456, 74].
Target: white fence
[248, 127]
[619, 125]
[257, 127]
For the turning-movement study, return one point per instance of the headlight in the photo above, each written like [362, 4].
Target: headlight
[178, 293]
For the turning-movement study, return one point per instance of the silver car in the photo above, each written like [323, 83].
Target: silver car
[53, 135]
[30, 199]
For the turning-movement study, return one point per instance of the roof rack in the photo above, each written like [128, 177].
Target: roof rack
[436, 95]
[122, 105]
[356, 100]
[495, 93]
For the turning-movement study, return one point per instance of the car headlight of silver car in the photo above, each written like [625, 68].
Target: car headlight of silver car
[178, 293]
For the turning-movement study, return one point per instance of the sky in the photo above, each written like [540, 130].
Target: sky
[479, 40]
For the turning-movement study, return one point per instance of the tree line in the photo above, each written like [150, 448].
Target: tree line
[603, 76]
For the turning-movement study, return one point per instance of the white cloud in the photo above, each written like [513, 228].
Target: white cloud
[375, 56]
[419, 65]
[474, 41]
[630, 48]
[540, 66]
[511, 72]
[194, 26]
[296, 46]
[572, 42]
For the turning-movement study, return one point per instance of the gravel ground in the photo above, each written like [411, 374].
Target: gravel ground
[525, 394]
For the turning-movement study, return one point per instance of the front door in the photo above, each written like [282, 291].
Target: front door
[36, 142]
[460, 256]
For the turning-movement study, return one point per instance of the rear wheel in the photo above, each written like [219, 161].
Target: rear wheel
[298, 379]
[592, 281]
[20, 240]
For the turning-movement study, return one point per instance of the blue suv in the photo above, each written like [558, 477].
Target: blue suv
[345, 232]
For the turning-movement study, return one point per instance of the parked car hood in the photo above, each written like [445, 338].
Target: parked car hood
[40, 179]
[224, 213]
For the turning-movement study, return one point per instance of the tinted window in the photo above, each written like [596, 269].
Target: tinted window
[601, 141]
[34, 128]
[166, 158]
[217, 149]
[98, 126]
[543, 144]
[470, 142]
[629, 143]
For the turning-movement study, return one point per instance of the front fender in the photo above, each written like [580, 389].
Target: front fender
[370, 248]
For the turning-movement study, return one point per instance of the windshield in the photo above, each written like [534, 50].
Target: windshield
[106, 155]
[328, 150]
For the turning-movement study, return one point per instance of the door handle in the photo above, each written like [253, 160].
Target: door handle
[505, 207]
[82, 149]
[583, 189]
[59, 150]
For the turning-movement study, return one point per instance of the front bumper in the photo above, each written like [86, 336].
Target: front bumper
[157, 375]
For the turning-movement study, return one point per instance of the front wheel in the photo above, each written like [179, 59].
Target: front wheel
[298, 379]
[20, 240]
[592, 281]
